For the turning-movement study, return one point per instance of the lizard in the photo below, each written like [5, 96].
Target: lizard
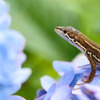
[84, 44]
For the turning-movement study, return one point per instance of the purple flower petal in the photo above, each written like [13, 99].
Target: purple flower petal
[66, 78]
[11, 57]
[3, 7]
[3, 95]
[14, 97]
[21, 75]
[47, 82]
[90, 91]
[18, 40]
[96, 81]
[21, 58]
[40, 98]
[73, 97]
[8, 90]
[40, 92]
[61, 93]
[80, 60]
[50, 92]
[5, 21]
[77, 76]
[70, 76]
[61, 66]
[88, 71]
[87, 66]
[82, 97]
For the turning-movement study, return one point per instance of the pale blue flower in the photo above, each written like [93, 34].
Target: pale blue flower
[90, 92]
[11, 57]
[64, 88]
[5, 19]
[12, 97]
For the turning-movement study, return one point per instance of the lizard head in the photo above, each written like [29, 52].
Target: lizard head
[68, 33]
[73, 36]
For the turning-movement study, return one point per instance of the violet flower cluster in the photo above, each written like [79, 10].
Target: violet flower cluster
[67, 87]
[11, 57]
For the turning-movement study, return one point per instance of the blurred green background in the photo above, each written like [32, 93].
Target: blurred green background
[36, 20]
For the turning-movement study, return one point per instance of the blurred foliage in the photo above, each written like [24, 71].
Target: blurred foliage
[36, 20]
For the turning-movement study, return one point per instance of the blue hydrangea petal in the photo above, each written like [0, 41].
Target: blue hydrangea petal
[61, 93]
[16, 77]
[80, 60]
[3, 95]
[90, 91]
[5, 80]
[3, 55]
[97, 95]
[77, 76]
[11, 57]
[15, 97]
[98, 73]
[3, 7]
[40, 98]
[82, 97]
[73, 97]
[62, 66]
[87, 72]
[40, 92]
[96, 81]
[66, 78]
[86, 69]
[18, 40]
[21, 75]
[87, 66]
[21, 58]
[10, 89]
[76, 90]
[50, 92]
[5, 21]
[47, 82]
[98, 68]
[2, 38]
[12, 61]
[9, 67]
[88, 87]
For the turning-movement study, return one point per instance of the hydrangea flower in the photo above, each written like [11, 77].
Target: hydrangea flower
[66, 88]
[11, 57]
[90, 92]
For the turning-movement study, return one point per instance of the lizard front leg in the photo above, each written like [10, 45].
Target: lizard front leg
[93, 71]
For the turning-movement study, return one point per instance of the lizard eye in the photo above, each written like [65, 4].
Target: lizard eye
[65, 31]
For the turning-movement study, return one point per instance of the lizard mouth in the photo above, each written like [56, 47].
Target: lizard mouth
[59, 31]
[62, 29]
[58, 28]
